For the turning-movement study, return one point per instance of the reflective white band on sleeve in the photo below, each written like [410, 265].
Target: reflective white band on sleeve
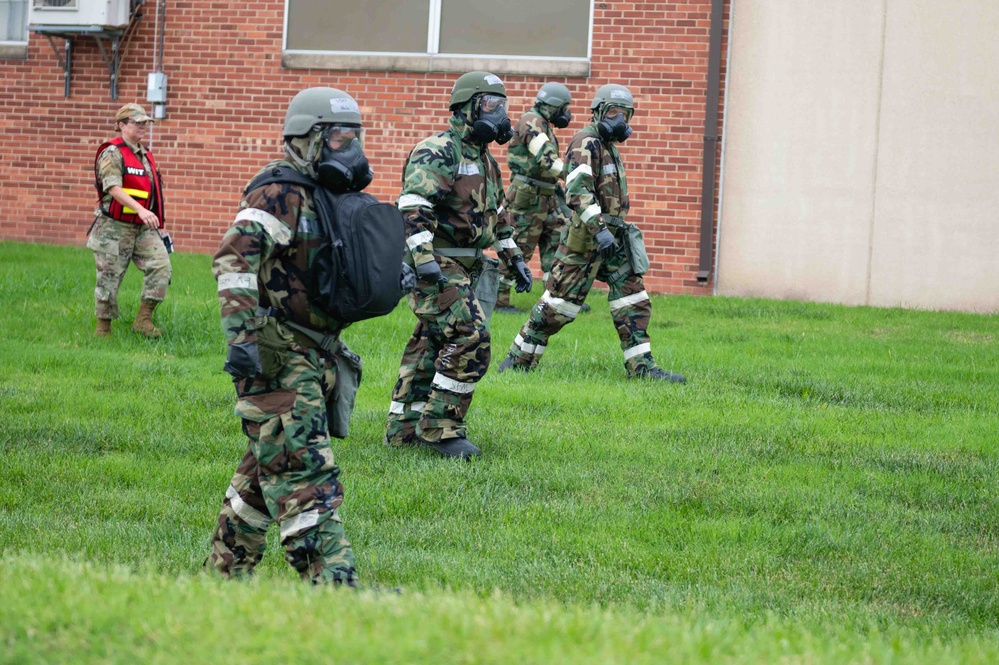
[628, 300]
[507, 243]
[527, 347]
[237, 280]
[561, 306]
[246, 512]
[590, 212]
[273, 226]
[637, 350]
[418, 406]
[537, 143]
[608, 169]
[299, 523]
[582, 169]
[468, 168]
[418, 239]
[557, 166]
[452, 386]
[408, 201]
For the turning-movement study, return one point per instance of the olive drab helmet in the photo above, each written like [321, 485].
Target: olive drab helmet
[613, 129]
[470, 84]
[554, 94]
[558, 98]
[319, 106]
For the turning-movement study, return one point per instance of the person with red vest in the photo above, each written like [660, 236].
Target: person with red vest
[129, 217]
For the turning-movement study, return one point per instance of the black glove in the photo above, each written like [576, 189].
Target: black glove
[243, 360]
[605, 240]
[431, 272]
[522, 275]
[407, 278]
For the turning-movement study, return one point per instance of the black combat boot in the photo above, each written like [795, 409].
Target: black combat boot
[460, 447]
[511, 363]
[658, 374]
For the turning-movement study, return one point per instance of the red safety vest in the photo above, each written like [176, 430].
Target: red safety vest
[136, 183]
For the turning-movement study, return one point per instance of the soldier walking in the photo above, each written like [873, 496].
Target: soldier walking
[285, 356]
[535, 201]
[595, 247]
[451, 198]
[129, 216]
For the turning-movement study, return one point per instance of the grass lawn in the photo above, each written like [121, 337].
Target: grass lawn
[825, 489]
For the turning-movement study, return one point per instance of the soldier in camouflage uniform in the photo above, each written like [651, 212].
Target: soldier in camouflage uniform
[451, 199]
[533, 201]
[284, 355]
[597, 192]
[129, 215]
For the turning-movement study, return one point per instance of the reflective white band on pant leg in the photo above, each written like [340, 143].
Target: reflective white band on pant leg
[237, 280]
[590, 212]
[628, 300]
[274, 227]
[299, 523]
[399, 408]
[418, 239]
[507, 243]
[557, 166]
[527, 347]
[409, 201]
[451, 385]
[561, 306]
[537, 143]
[246, 512]
[582, 169]
[637, 350]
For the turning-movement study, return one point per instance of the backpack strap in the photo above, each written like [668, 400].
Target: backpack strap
[280, 174]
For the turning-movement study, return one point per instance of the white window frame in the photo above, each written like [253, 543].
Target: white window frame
[16, 49]
[432, 60]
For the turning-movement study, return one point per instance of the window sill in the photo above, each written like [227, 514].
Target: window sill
[14, 51]
[394, 62]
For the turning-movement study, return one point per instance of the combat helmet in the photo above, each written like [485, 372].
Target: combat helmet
[554, 94]
[473, 83]
[319, 106]
[612, 94]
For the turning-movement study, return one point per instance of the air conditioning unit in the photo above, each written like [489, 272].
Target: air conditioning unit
[111, 13]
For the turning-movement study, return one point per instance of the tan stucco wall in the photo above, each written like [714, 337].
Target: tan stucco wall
[860, 157]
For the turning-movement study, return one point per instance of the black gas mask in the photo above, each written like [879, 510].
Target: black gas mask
[342, 165]
[613, 127]
[490, 122]
[562, 117]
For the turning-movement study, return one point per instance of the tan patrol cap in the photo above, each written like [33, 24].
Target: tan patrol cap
[133, 111]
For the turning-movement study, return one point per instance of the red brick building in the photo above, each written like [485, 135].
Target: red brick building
[232, 67]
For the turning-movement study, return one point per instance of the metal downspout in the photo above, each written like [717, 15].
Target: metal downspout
[705, 263]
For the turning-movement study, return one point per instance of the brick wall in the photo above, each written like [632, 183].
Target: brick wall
[227, 94]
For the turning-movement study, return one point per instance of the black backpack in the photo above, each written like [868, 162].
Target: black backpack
[356, 271]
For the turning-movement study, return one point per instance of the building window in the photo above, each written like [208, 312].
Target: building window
[441, 35]
[13, 21]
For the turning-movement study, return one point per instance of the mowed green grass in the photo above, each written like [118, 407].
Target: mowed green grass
[824, 489]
